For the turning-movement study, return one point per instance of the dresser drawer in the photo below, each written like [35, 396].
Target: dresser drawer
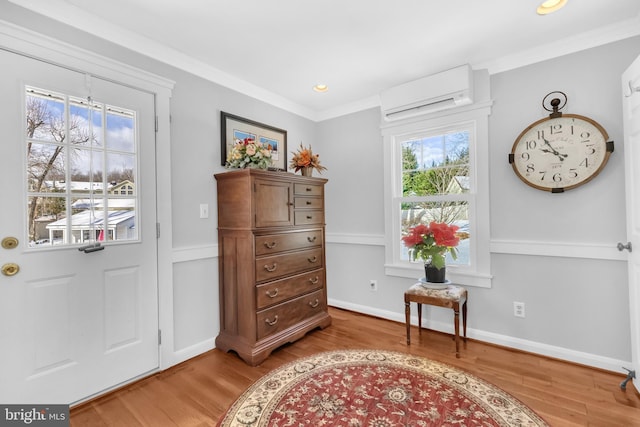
[273, 267]
[307, 189]
[308, 203]
[308, 217]
[290, 313]
[274, 243]
[280, 290]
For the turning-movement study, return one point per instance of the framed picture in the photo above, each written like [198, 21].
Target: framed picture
[233, 128]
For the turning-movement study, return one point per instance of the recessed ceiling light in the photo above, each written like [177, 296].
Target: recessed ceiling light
[550, 6]
[321, 88]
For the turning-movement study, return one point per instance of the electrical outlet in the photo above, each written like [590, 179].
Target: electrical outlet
[373, 285]
[518, 309]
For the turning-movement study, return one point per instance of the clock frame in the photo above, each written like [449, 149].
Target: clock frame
[560, 152]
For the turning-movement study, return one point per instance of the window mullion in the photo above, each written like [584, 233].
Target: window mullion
[67, 172]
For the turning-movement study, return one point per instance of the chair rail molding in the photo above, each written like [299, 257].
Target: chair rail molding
[194, 253]
[355, 239]
[601, 251]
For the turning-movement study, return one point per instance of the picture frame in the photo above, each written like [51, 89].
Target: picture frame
[234, 127]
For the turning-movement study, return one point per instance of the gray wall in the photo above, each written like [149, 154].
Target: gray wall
[554, 252]
[576, 305]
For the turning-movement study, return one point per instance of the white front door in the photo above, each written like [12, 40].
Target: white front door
[75, 323]
[631, 112]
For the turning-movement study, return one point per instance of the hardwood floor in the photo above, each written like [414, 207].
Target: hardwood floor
[198, 392]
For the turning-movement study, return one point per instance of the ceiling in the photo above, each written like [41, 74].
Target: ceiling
[277, 50]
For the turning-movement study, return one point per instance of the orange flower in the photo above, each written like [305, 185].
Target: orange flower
[305, 158]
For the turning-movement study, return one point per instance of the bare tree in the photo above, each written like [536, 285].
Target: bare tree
[46, 136]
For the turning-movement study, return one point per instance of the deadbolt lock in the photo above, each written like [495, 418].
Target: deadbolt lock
[10, 269]
[9, 242]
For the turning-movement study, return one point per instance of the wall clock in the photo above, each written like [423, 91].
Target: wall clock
[560, 152]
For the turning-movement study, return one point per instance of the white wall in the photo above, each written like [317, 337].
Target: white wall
[576, 305]
[554, 252]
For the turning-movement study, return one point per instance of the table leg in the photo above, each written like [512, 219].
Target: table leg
[419, 319]
[464, 322]
[407, 316]
[456, 324]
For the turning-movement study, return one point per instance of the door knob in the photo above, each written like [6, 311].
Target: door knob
[622, 246]
[9, 242]
[10, 269]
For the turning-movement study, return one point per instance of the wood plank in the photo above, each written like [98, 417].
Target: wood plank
[199, 391]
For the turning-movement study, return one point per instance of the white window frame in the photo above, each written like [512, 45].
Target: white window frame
[475, 118]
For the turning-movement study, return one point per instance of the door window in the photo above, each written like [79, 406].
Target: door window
[81, 170]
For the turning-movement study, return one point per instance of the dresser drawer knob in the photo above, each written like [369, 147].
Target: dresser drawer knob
[312, 259]
[272, 294]
[271, 322]
[309, 202]
[313, 280]
[309, 217]
[270, 245]
[314, 304]
[309, 189]
[272, 268]
[311, 239]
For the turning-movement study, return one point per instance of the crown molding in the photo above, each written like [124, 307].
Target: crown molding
[587, 40]
[69, 14]
[353, 107]
[30, 43]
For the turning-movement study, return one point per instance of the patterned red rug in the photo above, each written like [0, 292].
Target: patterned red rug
[375, 389]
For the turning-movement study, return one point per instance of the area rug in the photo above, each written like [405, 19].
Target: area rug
[354, 388]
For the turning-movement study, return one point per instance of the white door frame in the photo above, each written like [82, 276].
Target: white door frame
[21, 40]
[631, 98]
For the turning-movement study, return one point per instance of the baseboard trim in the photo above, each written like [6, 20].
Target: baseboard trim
[194, 350]
[573, 356]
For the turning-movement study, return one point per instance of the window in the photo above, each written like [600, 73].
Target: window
[76, 148]
[436, 169]
[434, 174]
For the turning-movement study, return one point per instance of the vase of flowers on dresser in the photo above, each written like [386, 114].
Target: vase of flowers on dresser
[305, 161]
[249, 153]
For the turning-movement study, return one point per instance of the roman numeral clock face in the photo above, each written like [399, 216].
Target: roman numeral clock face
[561, 153]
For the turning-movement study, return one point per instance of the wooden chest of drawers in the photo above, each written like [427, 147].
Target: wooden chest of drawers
[272, 260]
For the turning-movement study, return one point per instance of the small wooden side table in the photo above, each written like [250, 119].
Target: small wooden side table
[452, 297]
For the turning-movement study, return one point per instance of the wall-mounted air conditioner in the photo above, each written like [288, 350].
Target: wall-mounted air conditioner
[448, 89]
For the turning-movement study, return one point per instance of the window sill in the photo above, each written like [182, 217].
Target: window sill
[456, 275]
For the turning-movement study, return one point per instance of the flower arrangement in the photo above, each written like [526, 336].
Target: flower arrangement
[431, 242]
[304, 158]
[248, 153]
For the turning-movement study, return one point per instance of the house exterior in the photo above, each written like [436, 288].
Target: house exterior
[577, 310]
[51, 229]
[90, 226]
[124, 188]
